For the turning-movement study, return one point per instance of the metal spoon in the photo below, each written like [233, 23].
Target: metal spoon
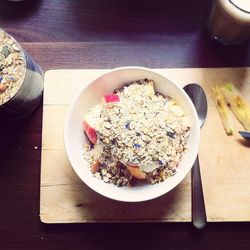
[198, 97]
[245, 134]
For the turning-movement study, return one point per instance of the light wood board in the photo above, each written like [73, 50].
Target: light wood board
[224, 160]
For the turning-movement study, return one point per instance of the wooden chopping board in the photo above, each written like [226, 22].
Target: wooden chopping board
[224, 160]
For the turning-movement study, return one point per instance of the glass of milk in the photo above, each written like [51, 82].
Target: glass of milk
[229, 21]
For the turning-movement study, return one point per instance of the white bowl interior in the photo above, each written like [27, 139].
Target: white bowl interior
[74, 136]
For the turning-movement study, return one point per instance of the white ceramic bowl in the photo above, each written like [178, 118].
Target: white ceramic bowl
[74, 136]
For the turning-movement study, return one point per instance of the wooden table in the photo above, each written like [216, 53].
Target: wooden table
[103, 34]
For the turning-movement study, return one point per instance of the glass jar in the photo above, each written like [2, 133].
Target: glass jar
[19, 102]
[229, 21]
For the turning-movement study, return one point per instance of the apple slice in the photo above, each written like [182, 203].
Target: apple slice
[91, 119]
[90, 132]
[3, 87]
[111, 98]
[95, 167]
[149, 88]
[136, 172]
[91, 123]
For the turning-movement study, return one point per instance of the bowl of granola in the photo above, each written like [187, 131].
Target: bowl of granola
[131, 134]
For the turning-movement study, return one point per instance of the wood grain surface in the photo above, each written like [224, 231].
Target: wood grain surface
[225, 170]
[102, 34]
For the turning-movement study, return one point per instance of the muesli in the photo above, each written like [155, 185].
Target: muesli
[135, 134]
[12, 67]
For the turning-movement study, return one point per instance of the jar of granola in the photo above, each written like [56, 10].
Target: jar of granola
[21, 80]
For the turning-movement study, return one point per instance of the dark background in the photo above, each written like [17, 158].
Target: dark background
[103, 34]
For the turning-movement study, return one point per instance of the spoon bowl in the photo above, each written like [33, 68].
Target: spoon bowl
[199, 99]
[245, 134]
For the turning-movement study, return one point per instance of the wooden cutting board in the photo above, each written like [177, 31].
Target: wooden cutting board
[224, 160]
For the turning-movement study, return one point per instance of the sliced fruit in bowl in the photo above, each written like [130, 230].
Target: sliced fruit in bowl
[111, 98]
[91, 119]
[136, 172]
[90, 123]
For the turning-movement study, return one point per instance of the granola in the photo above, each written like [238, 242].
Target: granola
[12, 67]
[140, 134]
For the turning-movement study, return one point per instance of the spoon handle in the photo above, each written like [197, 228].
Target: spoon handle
[199, 218]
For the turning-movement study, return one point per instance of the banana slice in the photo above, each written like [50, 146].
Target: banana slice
[223, 109]
[238, 104]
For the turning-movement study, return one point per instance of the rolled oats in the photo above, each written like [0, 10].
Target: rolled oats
[12, 67]
[145, 130]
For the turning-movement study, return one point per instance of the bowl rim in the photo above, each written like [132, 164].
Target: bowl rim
[132, 198]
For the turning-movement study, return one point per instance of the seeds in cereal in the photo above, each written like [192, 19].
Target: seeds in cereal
[12, 67]
[135, 134]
